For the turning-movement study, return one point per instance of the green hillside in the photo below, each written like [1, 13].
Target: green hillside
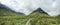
[36, 18]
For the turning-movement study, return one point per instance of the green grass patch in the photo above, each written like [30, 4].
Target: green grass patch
[10, 18]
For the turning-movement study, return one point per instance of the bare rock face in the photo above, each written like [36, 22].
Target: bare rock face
[51, 7]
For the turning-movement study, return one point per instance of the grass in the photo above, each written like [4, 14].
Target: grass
[36, 18]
